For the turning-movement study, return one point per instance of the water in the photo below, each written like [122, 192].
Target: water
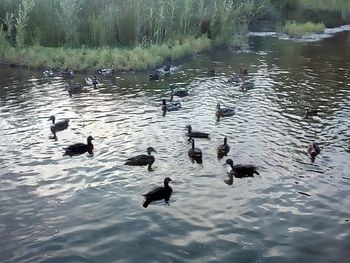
[89, 208]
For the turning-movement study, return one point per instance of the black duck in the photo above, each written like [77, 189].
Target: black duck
[223, 149]
[242, 170]
[195, 134]
[142, 159]
[314, 150]
[159, 193]
[80, 148]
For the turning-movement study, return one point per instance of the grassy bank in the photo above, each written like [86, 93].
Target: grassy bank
[295, 29]
[131, 34]
[94, 58]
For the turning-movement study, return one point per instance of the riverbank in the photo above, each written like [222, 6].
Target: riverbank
[82, 59]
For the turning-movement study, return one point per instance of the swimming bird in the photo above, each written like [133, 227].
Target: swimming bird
[211, 73]
[58, 126]
[48, 73]
[179, 92]
[155, 75]
[224, 112]
[107, 72]
[167, 67]
[159, 193]
[241, 170]
[311, 112]
[234, 78]
[142, 159]
[223, 149]
[246, 85]
[172, 105]
[67, 73]
[92, 81]
[194, 152]
[195, 134]
[74, 88]
[313, 150]
[80, 148]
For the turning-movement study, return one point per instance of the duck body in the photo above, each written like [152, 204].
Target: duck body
[67, 73]
[311, 112]
[58, 126]
[242, 170]
[92, 81]
[195, 134]
[107, 72]
[142, 159]
[314, 150]
[194, 152]
[224, 112]
[171, 105]
[48, 73]
[223, 149]
[155, 75]
[80, 148]
[159, 193]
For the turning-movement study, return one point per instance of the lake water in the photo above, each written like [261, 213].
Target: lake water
[89, 208]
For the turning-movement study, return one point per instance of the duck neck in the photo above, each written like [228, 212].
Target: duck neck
[192, 144]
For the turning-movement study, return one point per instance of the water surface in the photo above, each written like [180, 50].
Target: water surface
[89, 208]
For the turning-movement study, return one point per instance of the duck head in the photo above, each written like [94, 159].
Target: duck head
[89, 139]
[166, 181]
[52, 118]
[229, 162]
[164, 102]
[189, 128]
[218, 106]
[150, 150]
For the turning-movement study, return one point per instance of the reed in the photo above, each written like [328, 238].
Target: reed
[293, 28]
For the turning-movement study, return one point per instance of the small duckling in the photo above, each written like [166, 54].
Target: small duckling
[79, 148]
[159, 193]
[223, 149]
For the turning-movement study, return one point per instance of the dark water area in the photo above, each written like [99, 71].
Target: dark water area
[89, 208]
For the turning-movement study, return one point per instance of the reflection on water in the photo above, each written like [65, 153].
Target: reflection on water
[89, 208]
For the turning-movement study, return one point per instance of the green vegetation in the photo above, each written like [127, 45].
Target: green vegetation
[328, 5]
[118, 29]
[293, 28]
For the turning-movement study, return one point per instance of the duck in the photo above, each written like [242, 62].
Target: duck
[243, 72]
[74, 88]
[246, 85]
[142, 159]
[193, 152]
[241, 170]
[159, 193]
[179, 92]
[48, 73]
[67, 73]
[167, 67]
[107, 72]
[311, 112]
[224, 112]
[171, 105]
[195, 134]
[155, 75]
[223, 149]
[234, 78]
[92, 81]
[211, 73]
[58, 126]
[80, 148]
[313, 150]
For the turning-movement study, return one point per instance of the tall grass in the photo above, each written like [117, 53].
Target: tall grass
[293, 28]
[73, 23]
